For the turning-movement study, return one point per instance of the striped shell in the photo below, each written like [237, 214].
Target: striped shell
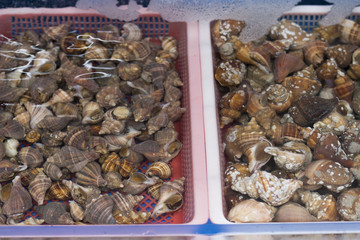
[131, 32]
[349, 32]
[76, 137]
[39, 186]
[314, 52]
[13, 129]
[77, 212]
[99, 210]
[59, 190]
[160, 169]
[31, 157]
[90, 175]
[125, 203]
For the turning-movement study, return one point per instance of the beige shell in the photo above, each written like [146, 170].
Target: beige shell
[111, 163]
[28, 175]
[92, 113]
[77, 212]
[131, 32]
[97, 52]
[129, 71]
[154, 190]
[90, 175]
[112, 126]
[53, 139]
[292, 156]
[77, 137]
[31, 157]
[281, 133]
[53, 171]
[109, 96]
[300, 85]
[59, 96]
[138, 182]
[224, 29]
[278, 97]
[264, 185]
[39, 186]
[119, 141]
[132, 217]
[24, 119]
[230, 72]
[314, 52]
[56, 32]
[251, 211]
[169, 44]
[335, 122]
[82, 195]
[131, 51]
[37, 113]
[114, 180]
[347, 204]
[45, 61]
[13, 129]
[59, 190]
[99, 210]
[349, 32]
[125, 203]
[161, 169]
[293, 212]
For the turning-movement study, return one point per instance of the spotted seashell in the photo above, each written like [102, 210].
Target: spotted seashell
[171, 198]
[76, 137]
[92, 113]
[114, 180]
[310, 109]
[160, 169]
[125, 203]
[13, 129]
[327, 33]
[274, 191]
[90, 175]
[230, 72]
[56, 32]
[8, 170]
[19, 201]
[278, 97]
[37, 113]
[341, 53]
[99, 210]
[97, 53]
[347, 204]
[131, 32]
[251, 211]
[328, 71]
[300, 85]
[137, 183]
[31, 157]
[72, 158]
[293, 212]
[76, 211]
[286, 64]
[59, 190]
[39, 186]
[330, 174]
[55, 213]
[349, 32]
[321, 206]
[335, 123]
[59, 96]
[222, 30]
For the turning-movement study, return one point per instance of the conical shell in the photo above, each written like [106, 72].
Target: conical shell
[54, 123]
[137, 183]
[90, 175]
[171, 198]
[129, 71]
[114, 180]
[328, 33]
[24, 119]
[28, 175]
[125, 203]
[278, 97]
[92, 113]
[286, 64]
[293, 212]
[59, 190]
[119, 141]
[347, 204]
[157, 122]
[109, 33]
[43, 87]
[82, 195]
[341, 53]
[11, 94]
[45, 61]
[19, 201]
[112, 126]
[59, 96]
[55, 213]
[38, 187]
[314, 52]
[160, 169]
[349, 32]
[56, 32]
[72, 158]
[31, 157]
[300, 85]
[131, 51]
[8, 170]
[151, 150]
[230, 72]
[224, 29]
[99, 211]
[111, 163]
[97, 52]
[77, 212]
[154, 190]
[281, 133]
[251, 211]
[37, 112]
[13, 129]
[76, 137]
[131, 32]
[53, 171]
[344, 88]
[328, 71]
[5, 192]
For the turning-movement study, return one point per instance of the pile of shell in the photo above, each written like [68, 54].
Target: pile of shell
[94, 106]
[289, 115]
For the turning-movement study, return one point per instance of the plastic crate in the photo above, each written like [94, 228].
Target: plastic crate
[190, 163]
[307, 17]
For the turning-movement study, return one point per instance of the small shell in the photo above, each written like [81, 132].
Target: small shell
[28, 175]
[155, 73]
[53, 139]
[77, 212]
[297, 214]
[13, 129]
[109, 33]
[125, 203]
[131, 32]
[300, 85]
[341, 53]
[160, 169]
[31, 157]
[45, 61]
[169, 44]
[158, 121]
[72, 158]
[344, 88]
[171, 198]
[118, 113]
[131, 51]
[285, 132]
[111, 163]
[109, 96]
[11, 94]
[330, 174]
[230, 72]
[80, 194]
[99, 210]
[39, 186]
[114, 180]
[292, 156]
[151, 150]
[132, 217]
[314, 52]
[11, 146]
[172, 94]
[76, 137]
[154, 190]
[19, 201]
[56, 32]
[248, 53]
[53, 171]
[59, 96]
[251, 211]
[66, 109]
[335, 122]
[55, 213]
[286, 64]
[137, 183]
[97, 52]
[59, 190]
[24, 119]
[37, 112]
[328, 33]
[90, 175]
[92, 113]
[347, 204]
[5, 117]
[129, 71]
[255, 104]
[5, 191]
[71, 44]
[112, 126]
[8, 170]
[328, 71]
[354, 71]
[119, 141]
[30, 221]
[349, 32]
[222, 30]
[278, 97]
[310, 109]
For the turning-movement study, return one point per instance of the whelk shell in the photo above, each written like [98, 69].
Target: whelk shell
[341, 53]
[31, 157]
[251, 211]
[131, 32]
[8, 170]
[160, 169]
[293, 212]
[56, 32]
[114, 180]
[125, 203]
[349, 32]
[129, 71]
[328, 71]
[59, 96]
[90, 175]
[348, 203]
[109, 96]
[230, 72]
[278, 97]
[224, 29]
[37, 112]
[59, 190]
[286, 64]
[138, 182]
[55, 213]
[300, 85]
[97, 52]
[77, 212]
[13, 129]
[92, 113]
[314, 52]
[99, 211]
[39, 186]
[76, 137]
[53, 171]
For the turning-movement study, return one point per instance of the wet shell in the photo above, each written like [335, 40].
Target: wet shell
[92, 113]
[335, 122]
[11, 146]
[277, 47]
[54, 123]
[131, 32]
[349, 32]
[297, 214]
[99, 211]
[255, 104]
[154, 73]
[347, 204]
[73, 44]
[314, 52]
[154, 190]
[171, 198]
[111, 163]
[300, 85]
[354, 71]
[97, 52]
[31, 157]
[76, 137]
[37, 113]
[328, 71]
[224, 29]
[19, 201]
[292, 156]
[8, 170]
[59, 190]
[90, 175]
[310, 109]
[125, 203]
[330, 174]
[286, 64]
[45, 61]
[56, 32]
[272, 190]
[158, 121]
[344, 88]
[248, 53]
[230, 72]
[66, 109]
[13, 129]
[72, 158]
[59, 96]
[55, 213]
[109, 34]
[39, 186]
[174, 79]
[114, 180]
[137, 183]
[278, 97]
[341, 53]
[77, 212]
[251, 211]
[28, 175]
[161, 169]
[109, 96]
